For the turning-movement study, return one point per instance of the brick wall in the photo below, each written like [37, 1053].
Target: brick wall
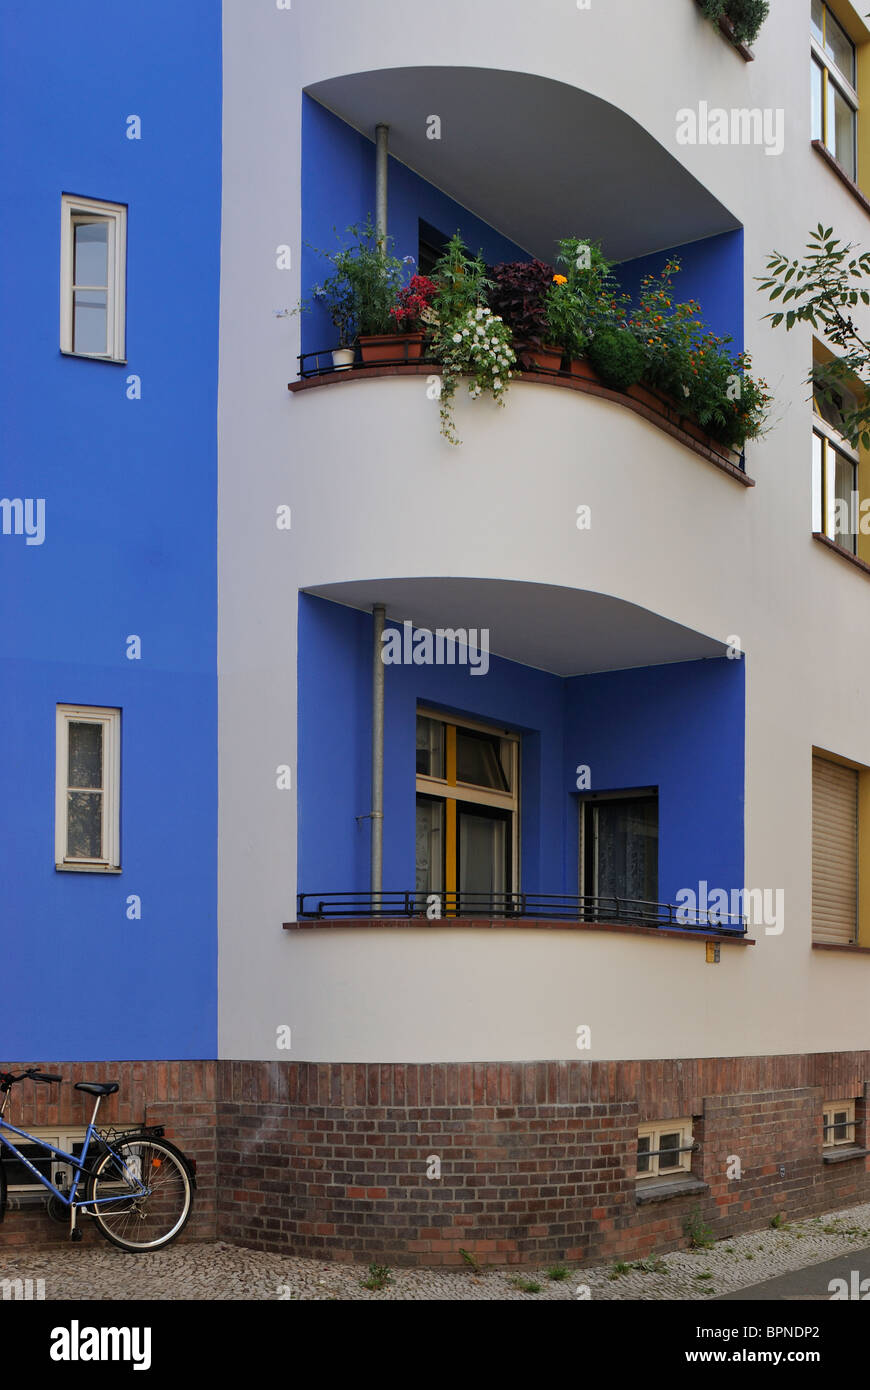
[536, 1160]
[179, 1095]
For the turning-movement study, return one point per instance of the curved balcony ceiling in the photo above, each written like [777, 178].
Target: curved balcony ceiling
[569, 632]
[534, 158]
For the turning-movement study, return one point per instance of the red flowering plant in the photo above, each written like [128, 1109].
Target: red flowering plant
[409, 313]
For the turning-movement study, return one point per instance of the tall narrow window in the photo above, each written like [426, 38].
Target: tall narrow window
[87, 812]
[619, 847]
[466, 816]
[834, 99]
[835, 470]
[835, 852]
[92, 275]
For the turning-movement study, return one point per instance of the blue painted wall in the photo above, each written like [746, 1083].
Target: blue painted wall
[677, 727]
[711, 272]
[338, 191]
[130, 498]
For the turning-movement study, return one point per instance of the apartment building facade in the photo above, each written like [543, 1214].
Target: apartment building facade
[600, 972]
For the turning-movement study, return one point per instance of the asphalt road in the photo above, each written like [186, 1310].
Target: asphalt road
[812, 1283]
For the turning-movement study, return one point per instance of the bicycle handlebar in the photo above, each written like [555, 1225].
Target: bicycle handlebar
[8, 1078]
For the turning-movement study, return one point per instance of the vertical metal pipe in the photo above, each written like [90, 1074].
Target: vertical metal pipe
[377, 812]
[382, 149]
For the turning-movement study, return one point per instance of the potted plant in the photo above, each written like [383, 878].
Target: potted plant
[519, 296]
[337, 298]
[412, 314]
[470, 340]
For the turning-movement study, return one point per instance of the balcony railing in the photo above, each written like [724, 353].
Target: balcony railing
[554, 907]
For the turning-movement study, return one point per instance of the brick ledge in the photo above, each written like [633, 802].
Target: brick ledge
[513, 923]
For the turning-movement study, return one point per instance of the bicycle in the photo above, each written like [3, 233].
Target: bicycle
[138, 1187]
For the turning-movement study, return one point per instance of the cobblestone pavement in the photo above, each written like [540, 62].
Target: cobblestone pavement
[225, 1272]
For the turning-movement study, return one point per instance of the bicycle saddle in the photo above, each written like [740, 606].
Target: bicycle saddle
[97, 1088]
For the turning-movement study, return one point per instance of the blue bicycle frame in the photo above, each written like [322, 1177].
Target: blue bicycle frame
[78, 1164]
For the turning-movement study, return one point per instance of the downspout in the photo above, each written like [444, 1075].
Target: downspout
[377, 811]
[382, 137]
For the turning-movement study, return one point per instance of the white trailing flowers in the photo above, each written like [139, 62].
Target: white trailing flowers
[477, 346]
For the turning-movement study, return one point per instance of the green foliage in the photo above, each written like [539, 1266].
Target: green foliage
[697, 1232]
[558, 1273]
[583, 298]
[619, 1269]
[471, 1260]
[778, 1222]
[461, 280]
[653, 1265]
[363, 286]
[823, 288]
[746, 16]
[379, 1277]
[617, 357]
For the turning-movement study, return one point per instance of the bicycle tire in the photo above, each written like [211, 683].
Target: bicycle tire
[165, 1171]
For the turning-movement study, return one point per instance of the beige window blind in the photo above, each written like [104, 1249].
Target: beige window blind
[835, 852]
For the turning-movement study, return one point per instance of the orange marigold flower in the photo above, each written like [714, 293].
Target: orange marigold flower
[560, 279]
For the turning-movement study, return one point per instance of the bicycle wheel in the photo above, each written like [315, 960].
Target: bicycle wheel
[148, 1221]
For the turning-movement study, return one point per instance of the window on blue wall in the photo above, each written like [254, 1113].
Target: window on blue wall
[466, 829]
[92, 278]
[87, 788]
[619, 846]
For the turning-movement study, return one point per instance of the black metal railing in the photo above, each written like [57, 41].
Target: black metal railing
[554, 907]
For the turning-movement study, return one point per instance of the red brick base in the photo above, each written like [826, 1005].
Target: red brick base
[513, 1162]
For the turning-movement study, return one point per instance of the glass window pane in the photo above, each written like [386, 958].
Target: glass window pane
[90, 321]
[839, 47]
[818, 466]
[816, 21]
[478, 760]
[430, 848]
[84, 825]
[85, 764]
[841, 1126]
[669, 1144]
[817, 82]
[482, 862]
[430, 747]
[844, 485]
[627, 849]
[643, 1160]
[91, 254]
[841, 129]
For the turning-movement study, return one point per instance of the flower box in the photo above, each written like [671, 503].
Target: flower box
[392, 347]
[582, 367]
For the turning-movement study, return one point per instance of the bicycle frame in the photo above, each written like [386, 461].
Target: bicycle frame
[78, 1164]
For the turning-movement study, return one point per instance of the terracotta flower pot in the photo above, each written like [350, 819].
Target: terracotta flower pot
[548, 358]
[582, 367]
[392, 347]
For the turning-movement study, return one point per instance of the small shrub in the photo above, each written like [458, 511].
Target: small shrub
[519, 296]
[379, 1277]
[698, 1233]
[617, 357]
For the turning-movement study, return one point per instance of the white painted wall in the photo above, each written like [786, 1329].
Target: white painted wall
[669, 532]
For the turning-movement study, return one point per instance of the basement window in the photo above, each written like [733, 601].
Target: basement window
[664, 1150]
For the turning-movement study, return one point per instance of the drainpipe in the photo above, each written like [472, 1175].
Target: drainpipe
[382, 137]
[377, 812]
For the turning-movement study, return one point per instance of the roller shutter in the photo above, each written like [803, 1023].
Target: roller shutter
[835, 852]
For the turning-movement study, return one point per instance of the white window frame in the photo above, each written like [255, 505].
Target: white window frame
[830, 1108]
[654, 1132]
[61, 1139]
[110, 720]
[73, 211]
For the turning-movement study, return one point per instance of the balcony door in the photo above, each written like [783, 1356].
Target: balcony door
[467, 796]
